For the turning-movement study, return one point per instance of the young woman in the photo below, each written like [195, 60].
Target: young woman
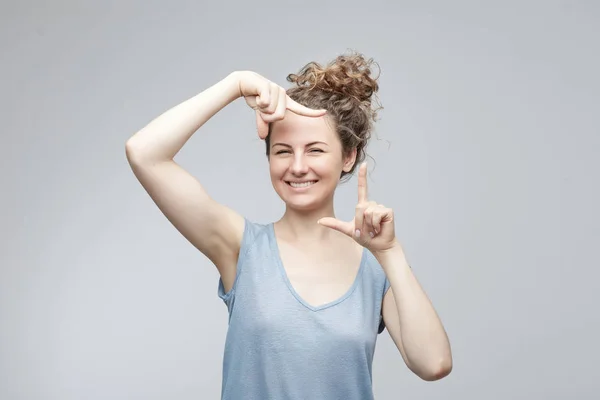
[308, 294]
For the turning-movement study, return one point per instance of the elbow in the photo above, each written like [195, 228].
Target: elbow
[141, 154]
[435, 373]
[131, 151]
[136, 155]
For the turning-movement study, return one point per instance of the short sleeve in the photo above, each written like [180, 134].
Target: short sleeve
[386, 286]
[248, 238]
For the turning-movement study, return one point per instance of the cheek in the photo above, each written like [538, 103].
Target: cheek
[325, 166]
[277, 168]
[328, 166]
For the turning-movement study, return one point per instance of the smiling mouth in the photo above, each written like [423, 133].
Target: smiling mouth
[300, 185]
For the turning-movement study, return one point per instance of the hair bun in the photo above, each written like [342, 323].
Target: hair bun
[347, 75]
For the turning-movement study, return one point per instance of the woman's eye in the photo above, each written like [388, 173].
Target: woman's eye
[310, 151]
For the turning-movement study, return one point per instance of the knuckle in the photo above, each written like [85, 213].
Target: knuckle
[269, 107]
[278, 115]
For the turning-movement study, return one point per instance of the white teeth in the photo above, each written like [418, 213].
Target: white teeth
[302, 184]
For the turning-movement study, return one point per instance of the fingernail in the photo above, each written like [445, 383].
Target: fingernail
[357, 233]
[371, 234]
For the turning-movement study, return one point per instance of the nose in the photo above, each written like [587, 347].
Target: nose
[299, 165]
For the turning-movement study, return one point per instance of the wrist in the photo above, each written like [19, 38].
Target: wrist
[233, 81]
[394, 252]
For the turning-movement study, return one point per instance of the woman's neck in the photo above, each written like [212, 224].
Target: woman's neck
[302, 226]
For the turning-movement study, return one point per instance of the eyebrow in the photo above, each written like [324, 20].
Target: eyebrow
[307, 145]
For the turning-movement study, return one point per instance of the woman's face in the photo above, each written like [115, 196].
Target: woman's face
[306, 161]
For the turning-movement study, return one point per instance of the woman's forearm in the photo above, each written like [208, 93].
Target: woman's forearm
[164, 136]
[423, 336]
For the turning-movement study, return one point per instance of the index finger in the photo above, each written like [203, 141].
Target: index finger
[362, 183]
[299, 109]
[261, 126]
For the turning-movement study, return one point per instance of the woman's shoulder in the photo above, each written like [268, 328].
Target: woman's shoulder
[255, 227]
[373, 266]
[255, 231]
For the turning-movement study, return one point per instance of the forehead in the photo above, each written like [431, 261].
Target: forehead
[298, 129]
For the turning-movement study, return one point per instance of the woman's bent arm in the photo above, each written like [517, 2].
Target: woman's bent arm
[212, 228]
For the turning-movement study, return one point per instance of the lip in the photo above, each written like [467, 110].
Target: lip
[301, 189]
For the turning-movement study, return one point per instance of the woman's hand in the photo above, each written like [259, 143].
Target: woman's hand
[372, 225]
[269, 100]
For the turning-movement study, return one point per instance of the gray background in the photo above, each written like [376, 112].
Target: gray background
[487, 150]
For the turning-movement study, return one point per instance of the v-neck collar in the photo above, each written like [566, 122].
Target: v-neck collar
[277, 256]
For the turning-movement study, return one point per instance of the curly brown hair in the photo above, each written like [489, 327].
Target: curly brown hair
[346, 89]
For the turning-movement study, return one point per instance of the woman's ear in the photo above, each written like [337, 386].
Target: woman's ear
[349, 160]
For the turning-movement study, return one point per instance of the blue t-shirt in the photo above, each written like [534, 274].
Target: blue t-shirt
[280, 347]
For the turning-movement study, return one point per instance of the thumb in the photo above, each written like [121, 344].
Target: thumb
[340, 226]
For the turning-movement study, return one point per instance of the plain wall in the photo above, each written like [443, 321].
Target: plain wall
[487, 149]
